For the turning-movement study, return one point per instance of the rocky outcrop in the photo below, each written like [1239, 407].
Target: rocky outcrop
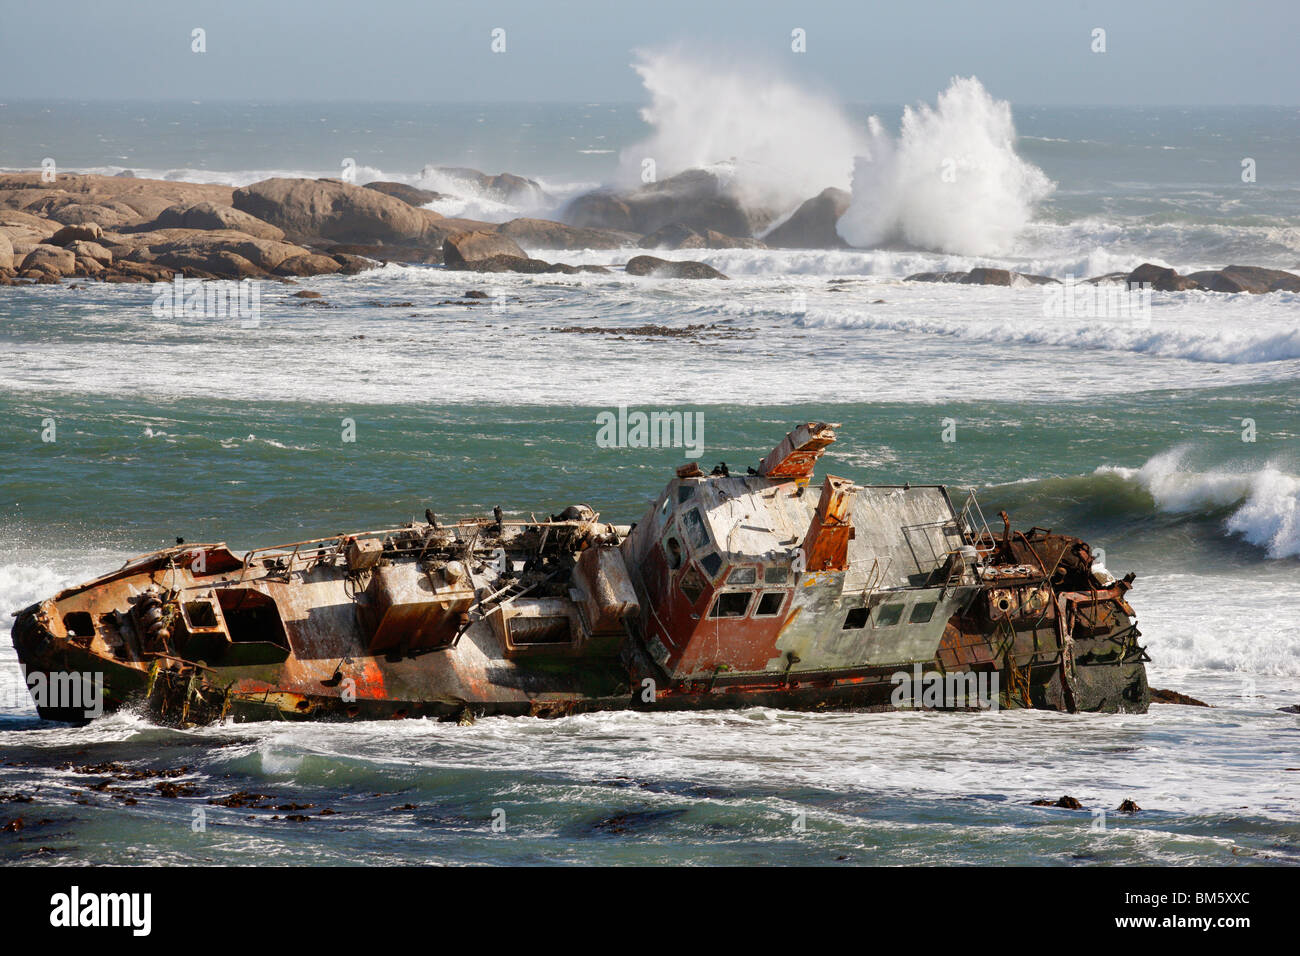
[69, 234]
[222, 253]
[696, 198]
[1251, 279]
[67, 210]
[1160, 279]
[308, 264]
[6, 252]
[812, 226]
[671, 269]
[1174, 697]
[484, 251]
[502, 262]
[411, 195]
[327, 209]
[463, 249]
[503, 187]
[90, 250]
[206, 215]
[678, 235]
[674, 235]
[52, 260]
[600, 209]
[350, 264]
[118, 201]
[983, 276]
[544, 234]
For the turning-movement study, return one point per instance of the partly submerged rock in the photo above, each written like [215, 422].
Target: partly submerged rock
[463, 249]
[1251, 279]
[1160, 279]
[508, 263]
[987, 277]
[1173, 697]
[350, 265]
[984, 276]
[1066, 802]
[544, 234]
[671, 269]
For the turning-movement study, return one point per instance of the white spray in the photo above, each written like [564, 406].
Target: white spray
[778, 143]
[950, 182]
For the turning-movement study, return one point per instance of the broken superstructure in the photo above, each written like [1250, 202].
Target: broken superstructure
[763, 589]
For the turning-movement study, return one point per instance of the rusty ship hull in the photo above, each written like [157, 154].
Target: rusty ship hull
[767, 589]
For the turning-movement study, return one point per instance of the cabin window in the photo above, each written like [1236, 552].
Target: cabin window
[922, 612]
[731, 604]
[685, 492]
[696, 533]
[742, 576]
[887, 615]
[673, 552]
[770, 604]
[200, 614]
[776, 574]
[79, 624]
[528, 631]
[712, 563]
[856, 619]
[251, 617]
[692, 585]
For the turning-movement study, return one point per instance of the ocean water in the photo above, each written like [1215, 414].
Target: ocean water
[1170, 440]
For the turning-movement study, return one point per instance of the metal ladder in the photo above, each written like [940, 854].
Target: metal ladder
[976, 527]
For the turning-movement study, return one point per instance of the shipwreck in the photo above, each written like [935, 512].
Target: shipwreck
[764, 589]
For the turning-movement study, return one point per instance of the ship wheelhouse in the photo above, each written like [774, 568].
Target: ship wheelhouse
[769, 574]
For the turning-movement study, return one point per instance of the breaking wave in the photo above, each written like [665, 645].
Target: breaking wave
[1225, 343]
[1260, 505]
[1265, 502]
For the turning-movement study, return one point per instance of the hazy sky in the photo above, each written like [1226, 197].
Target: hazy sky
[1028, 51]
